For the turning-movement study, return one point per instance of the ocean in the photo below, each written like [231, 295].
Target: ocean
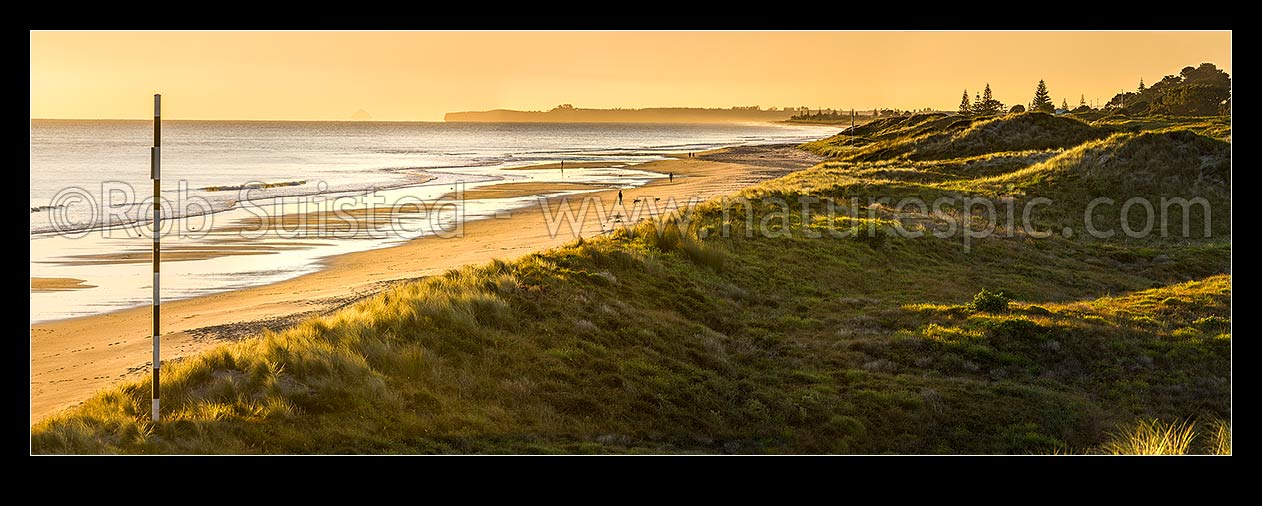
[89, 180]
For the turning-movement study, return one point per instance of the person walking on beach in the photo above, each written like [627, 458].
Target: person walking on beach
[562, 168]
[671, 175]
[619, 197]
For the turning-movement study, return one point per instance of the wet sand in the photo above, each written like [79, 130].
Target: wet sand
[58, 284]
[510, 190]
[172, 255]
[571, 165]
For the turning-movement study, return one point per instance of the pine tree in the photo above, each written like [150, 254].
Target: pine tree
[1064, 104]
[1142, 88]
[1042, 100]
[1082, 100]
[986, 103]
[965, 107]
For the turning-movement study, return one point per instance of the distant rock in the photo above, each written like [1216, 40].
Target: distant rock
[361, 115]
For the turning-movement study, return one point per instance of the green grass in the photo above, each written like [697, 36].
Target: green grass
[682, 340]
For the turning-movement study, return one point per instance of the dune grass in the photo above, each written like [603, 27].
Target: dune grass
[1155, 437]
[1215, 127]
[679, 338]
[938, 136]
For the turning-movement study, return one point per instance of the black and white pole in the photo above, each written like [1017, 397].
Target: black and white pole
[155, 172]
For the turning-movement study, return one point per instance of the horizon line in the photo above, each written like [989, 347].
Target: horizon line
[238, 119]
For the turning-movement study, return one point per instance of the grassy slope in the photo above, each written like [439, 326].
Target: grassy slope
[647, 342]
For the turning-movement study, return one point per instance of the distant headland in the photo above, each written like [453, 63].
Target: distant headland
[567, 113]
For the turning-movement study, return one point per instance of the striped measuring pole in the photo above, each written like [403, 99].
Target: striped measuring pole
[155, 172]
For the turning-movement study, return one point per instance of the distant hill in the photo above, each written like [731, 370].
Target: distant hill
[570, 114]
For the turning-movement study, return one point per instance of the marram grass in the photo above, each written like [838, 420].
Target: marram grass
[1156, 437]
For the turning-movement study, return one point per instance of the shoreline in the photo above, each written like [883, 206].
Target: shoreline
[73, 358]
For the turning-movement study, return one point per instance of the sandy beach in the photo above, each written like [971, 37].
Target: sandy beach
[71, 359]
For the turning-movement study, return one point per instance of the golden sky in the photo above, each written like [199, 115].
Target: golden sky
[421, 75]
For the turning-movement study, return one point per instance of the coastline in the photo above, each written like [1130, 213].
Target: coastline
[73, 358]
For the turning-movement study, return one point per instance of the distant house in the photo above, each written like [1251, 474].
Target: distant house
[1059, 111]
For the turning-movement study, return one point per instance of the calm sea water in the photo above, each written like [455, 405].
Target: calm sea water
[75, 163]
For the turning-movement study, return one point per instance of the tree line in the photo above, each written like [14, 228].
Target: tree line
[835, 115]
[984, 104]
[1196, 91]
